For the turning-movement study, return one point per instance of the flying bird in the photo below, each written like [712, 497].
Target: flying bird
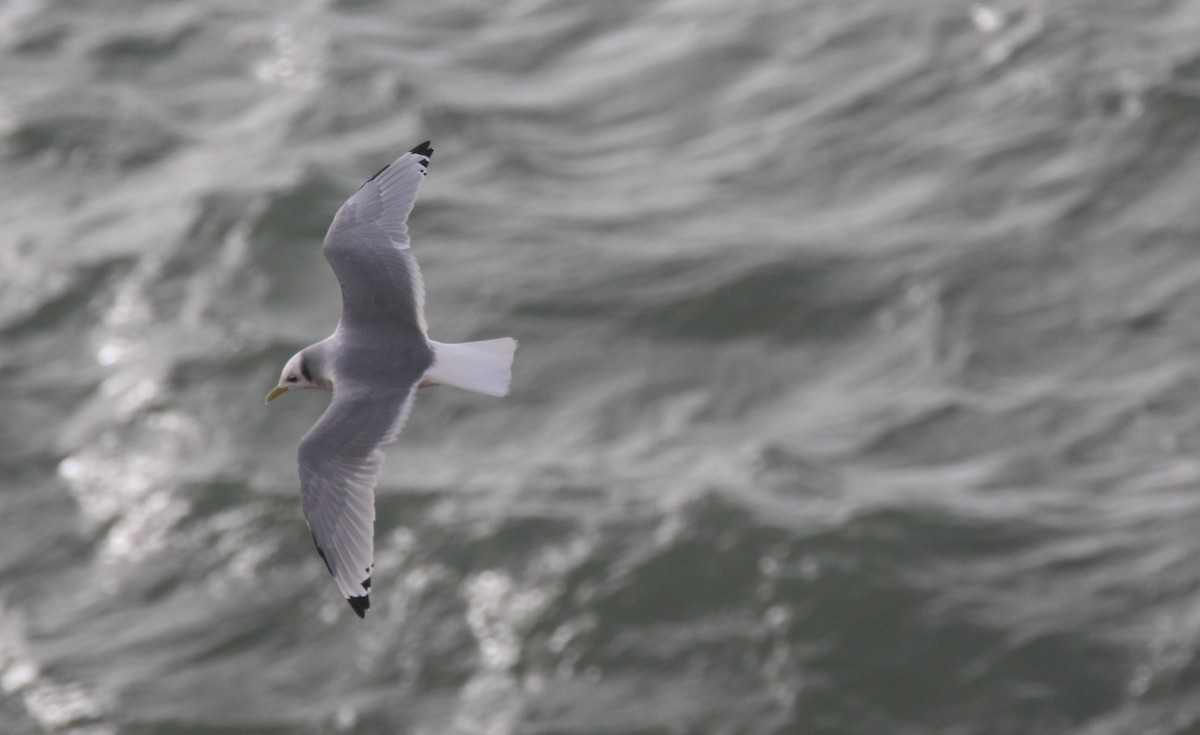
[373, 363]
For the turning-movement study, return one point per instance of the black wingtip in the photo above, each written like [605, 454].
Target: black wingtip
[421, 150]
[360, 605]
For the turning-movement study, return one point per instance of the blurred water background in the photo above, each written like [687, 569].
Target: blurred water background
[858, 390]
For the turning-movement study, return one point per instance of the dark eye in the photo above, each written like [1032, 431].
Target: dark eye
[291, 378]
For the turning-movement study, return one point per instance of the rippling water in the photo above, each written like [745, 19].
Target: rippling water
[858, 387]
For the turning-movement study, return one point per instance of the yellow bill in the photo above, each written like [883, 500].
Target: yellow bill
[275, 393]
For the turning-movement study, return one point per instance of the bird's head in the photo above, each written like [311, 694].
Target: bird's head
[296, 374]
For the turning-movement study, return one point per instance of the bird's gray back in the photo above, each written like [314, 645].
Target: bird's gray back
[379, 356]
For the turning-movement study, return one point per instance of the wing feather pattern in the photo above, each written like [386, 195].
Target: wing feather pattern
[340, 459]
[367, 246]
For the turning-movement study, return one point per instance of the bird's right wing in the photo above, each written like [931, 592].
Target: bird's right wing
[367, 246]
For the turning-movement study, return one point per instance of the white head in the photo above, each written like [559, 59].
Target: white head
[297, 374]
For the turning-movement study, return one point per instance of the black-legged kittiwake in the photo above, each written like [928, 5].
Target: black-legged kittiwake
[374, 362]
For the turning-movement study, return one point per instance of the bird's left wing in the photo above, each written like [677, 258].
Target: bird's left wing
[340, 458]
[368, 248]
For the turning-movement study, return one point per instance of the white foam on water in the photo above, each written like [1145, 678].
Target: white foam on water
[56, 705]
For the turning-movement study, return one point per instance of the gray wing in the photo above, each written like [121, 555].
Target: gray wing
[340, 459]
[367, 246]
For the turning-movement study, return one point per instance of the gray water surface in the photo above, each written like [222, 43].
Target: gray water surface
[858, 388]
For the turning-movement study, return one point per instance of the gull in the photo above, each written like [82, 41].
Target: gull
[374, 361]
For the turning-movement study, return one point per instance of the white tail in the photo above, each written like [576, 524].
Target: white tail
[484, 367]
